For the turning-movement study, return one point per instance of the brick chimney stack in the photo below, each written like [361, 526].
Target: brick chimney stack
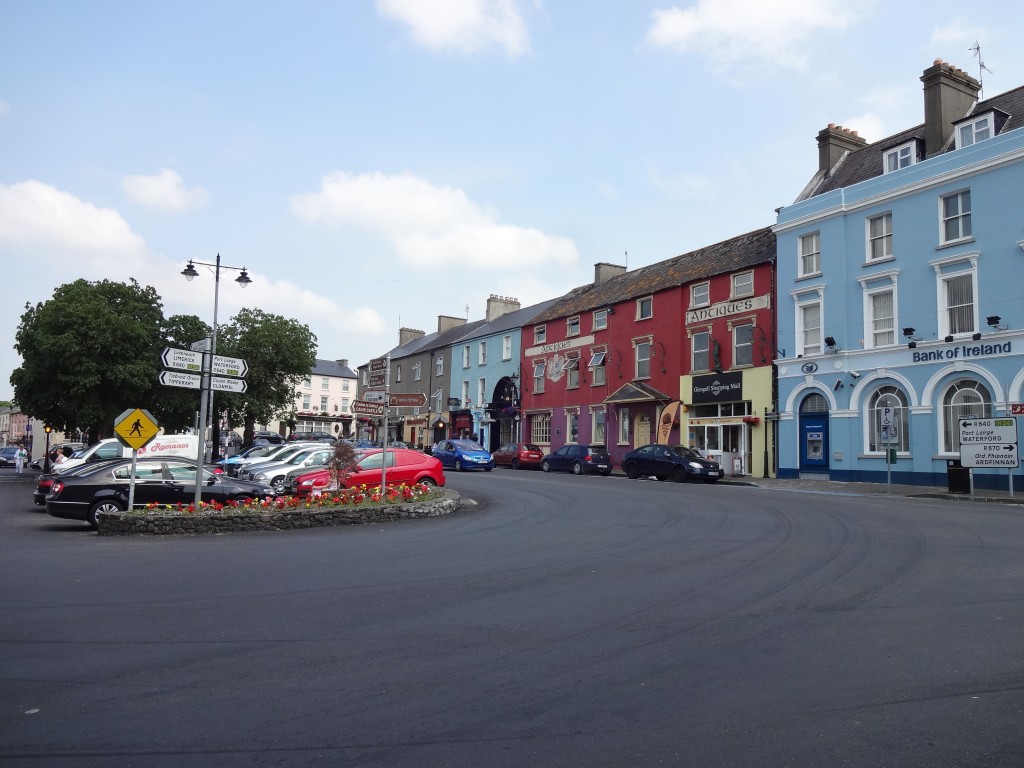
[500, 305]
[833, 144]
[405, 335]
[949, 94]
[603, 272]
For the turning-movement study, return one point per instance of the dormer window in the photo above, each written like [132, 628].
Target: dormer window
[974, 131]
[900, 157]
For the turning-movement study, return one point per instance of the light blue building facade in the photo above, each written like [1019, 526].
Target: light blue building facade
[901, 294]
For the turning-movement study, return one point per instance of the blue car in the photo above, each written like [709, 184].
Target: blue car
[462, 455]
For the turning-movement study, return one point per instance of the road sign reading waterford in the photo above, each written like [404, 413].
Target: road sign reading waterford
[229, 366]
[990, 443]
[988, 430]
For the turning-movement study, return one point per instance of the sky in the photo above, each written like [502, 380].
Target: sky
[376, 163]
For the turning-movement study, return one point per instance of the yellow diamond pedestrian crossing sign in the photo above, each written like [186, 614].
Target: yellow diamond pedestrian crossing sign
[135, 427]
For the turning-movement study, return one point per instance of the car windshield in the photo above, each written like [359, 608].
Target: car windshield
[467, 445]
[531, 447]
[686, 453]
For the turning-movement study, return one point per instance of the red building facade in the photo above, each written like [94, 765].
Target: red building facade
[616, 362]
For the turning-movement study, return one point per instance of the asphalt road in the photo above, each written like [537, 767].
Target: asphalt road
[558, 621]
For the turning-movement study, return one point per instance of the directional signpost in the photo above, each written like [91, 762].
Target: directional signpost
[183, 359]
[989, 443]
[366, 408]
[407, 400]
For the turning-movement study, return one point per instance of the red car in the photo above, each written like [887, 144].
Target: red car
[405, 466]
[518, 456]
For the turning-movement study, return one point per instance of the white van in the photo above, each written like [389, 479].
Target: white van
[111, 448]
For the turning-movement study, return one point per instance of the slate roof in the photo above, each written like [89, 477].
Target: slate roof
[730, 255]
[332, 368]
[866, 163]
[515, 319]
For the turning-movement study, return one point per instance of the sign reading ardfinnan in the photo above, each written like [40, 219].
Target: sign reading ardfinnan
[724, 308]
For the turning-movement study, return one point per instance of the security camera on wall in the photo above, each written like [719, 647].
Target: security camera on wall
[854, 374]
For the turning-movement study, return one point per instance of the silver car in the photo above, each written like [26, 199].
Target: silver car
[276, 475]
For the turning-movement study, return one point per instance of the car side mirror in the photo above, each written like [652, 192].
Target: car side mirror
[211, 480]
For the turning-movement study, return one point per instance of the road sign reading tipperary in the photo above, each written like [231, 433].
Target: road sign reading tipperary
[407, 400]
[135, 428]
[364, 408]
[175, 379]
[182, 358]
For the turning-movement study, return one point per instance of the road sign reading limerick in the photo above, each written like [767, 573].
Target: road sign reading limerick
[182, 359]
[135, 428]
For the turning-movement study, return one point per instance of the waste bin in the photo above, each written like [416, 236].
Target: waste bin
[958, 477]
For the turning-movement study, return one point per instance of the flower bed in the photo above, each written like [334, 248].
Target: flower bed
[346, 507]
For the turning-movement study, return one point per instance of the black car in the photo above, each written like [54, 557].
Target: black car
[164, 480]
[676, 461]
[7, 455]
[270, 437]
[578, 459]
[312, 437]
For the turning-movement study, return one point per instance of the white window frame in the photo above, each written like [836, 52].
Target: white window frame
[506, 347]
[572, 373]
[572, 326]
[465, 355]
[540, 428]
[638, 360]
[306, 403]
[481, 393]
[600, 319]
[694, 351]
[323, 403]
[811, 252]
[439, 367]
[597, 368]
[802, 302]
[700, 294]
[622, 425]
[737, 330]
[886, 396]
[325, 383]
[398, 373]
[882, 239]
[466, 402]
[538, 376]
[572, 425]
[645, 305]
[972, 131]
[416, 371]
[482, 353]
[899, 157]
[961, 217]
[950, 413]
[742, 284]
[598, 425]
[948, 269]
[540, 334]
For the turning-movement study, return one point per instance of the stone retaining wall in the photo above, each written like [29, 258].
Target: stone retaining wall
[166, 522]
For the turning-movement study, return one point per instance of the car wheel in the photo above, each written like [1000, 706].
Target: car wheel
[428, 481]
[679, 475]
[515, 463]
[631, 471]
[577, 468]
[278, 485]
[545, 466]
[458, 465]
[107, 507]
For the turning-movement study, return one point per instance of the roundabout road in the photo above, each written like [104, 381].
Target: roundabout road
[556, 621]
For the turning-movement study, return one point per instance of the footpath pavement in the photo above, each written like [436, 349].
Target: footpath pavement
[824, 485]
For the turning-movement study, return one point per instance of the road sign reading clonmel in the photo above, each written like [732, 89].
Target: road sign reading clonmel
[364, 408]
[135, 427]
[228, 385]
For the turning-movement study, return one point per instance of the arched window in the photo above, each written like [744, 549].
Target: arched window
[965, 399]
[888, 397]
[814, 404]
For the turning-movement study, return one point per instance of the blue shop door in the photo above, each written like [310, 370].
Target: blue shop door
[814, 443]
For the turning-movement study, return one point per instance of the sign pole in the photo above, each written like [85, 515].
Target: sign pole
[204, 401]
[384, 445]
[131, 483]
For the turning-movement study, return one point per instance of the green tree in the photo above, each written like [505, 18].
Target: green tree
[280, 354]
[88, 353]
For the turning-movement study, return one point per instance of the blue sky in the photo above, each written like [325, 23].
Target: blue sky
[377, 164]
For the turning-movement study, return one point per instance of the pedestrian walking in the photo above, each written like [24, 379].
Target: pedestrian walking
[19, 459]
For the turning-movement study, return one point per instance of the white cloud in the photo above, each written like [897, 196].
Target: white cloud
[733, 31]
[36, 217]
[164, 191]
[466, 26]
[428, 226]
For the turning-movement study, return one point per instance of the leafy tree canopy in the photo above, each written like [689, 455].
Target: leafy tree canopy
[280, 354]
[88, 353]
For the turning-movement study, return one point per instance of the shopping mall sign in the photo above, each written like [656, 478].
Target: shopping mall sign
[718, 388]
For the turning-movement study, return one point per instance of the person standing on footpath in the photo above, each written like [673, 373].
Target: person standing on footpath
[19, 460]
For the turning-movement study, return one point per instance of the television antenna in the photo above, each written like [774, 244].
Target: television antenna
[976, 50]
